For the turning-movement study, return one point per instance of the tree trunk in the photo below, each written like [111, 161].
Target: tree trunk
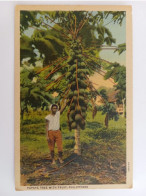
[106, 120]
[77, 148]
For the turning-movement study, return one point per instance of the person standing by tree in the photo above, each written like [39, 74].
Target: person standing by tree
[53, 132]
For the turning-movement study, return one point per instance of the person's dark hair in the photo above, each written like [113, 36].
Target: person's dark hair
[54, 105]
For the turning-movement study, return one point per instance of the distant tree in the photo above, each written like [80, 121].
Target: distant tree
[118, 73]
[108, 108]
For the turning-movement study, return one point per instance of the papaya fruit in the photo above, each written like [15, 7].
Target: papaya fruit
[74, 99]
[78, 117]
[72, 113]
[72, 107]
[76, 93]
[73, 125]
[78, 109]
[81, 98]
[83, 109]
[70, 95]
[83, 64]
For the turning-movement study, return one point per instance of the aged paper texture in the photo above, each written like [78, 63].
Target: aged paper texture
[73, 97]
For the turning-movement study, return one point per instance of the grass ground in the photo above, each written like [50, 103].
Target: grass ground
[103, 159]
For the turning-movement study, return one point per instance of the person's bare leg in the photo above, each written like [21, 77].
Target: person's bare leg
[51, 144]
[52, 157]
[59, 145]
[60, 157]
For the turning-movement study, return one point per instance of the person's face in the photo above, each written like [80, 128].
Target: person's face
[54, 109]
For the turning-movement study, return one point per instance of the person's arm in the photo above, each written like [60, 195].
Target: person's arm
[62, 108]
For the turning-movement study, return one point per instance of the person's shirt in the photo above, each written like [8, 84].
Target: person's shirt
[54, 121]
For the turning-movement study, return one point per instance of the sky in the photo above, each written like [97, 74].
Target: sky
[118, 33]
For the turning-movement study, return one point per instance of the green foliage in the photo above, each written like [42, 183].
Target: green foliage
[27, 18]
[103, 133]
[49, 47]
[69, 144]
[118, 73]
[117, 16]
[104, 36]
[32, 93]
[26, 49]
[121, 48]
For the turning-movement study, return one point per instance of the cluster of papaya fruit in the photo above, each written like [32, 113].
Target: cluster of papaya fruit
[78, 94]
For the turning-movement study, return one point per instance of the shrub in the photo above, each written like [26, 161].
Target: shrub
[68, 143]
